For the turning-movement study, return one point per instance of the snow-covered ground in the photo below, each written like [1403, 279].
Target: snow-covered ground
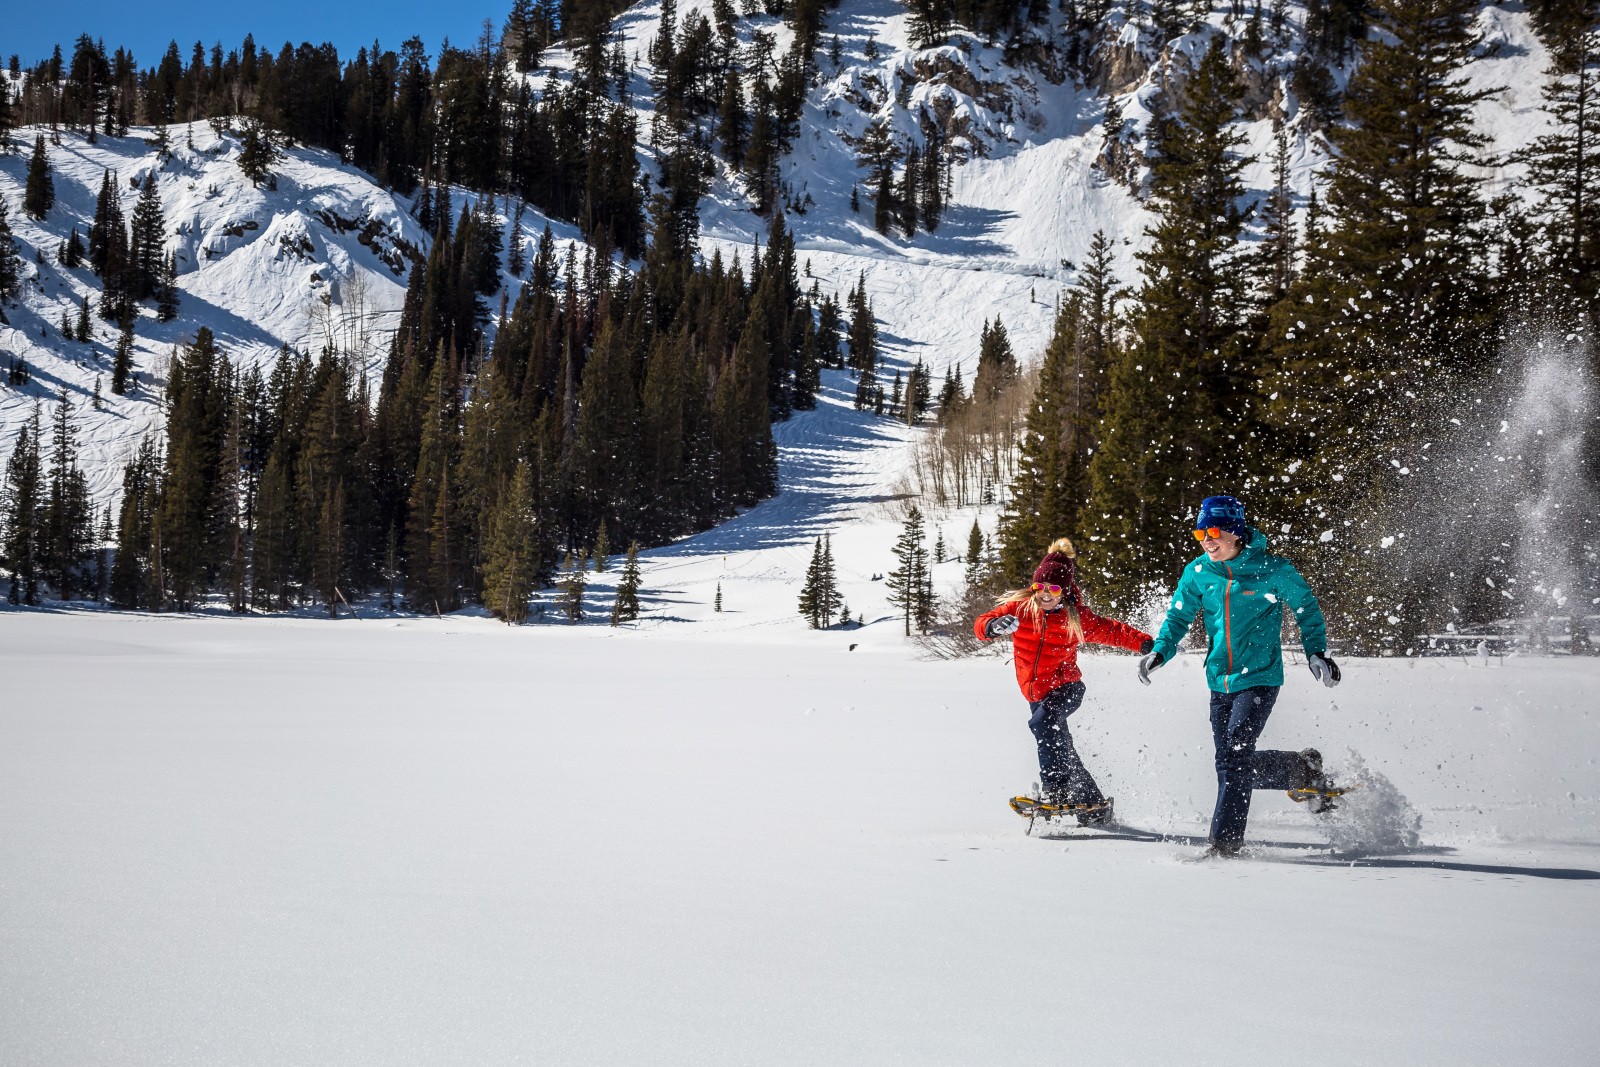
[425, 841]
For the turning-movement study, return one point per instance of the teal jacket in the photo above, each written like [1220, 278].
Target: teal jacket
[1243, 601]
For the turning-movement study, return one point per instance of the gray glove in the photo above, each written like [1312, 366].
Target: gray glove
[1323, 669]
[1148, 664]
[1002, 625]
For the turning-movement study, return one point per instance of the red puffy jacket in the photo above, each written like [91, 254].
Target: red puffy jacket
[1047, 657]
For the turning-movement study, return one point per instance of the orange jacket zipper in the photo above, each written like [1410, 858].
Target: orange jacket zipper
[1227, 628]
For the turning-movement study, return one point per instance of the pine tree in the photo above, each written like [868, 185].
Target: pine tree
[147, 241]
[1274, 262]
[122, 360]
[21, 511]
[130, 580]
[257, 152]
[626, 608]
[72, 253]
[997, 363]
[197, 393]
[10, 260]
[511, 562]
[602, 548]
[811, 590]
[717, 603]
[167, 289]
[907, 583]
[1564, 164]
[84, 331]
[67, 514]
[1392, 305]
[572, 586]
[830, 603]
[1184, 387]
[39, 195]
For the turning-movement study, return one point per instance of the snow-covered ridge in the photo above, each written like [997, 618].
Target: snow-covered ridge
[322, 257]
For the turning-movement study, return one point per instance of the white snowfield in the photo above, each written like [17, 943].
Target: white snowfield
[448, 841]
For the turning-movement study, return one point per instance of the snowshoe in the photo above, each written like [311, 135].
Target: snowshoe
[1032, 808]
[1318, 793]
[1319, 800]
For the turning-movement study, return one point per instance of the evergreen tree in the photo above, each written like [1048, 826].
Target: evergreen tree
[257, 152]
[716, 604]
[1391, 305]
[811, 590]
[129, 579]
[21, 511]
[10, 261]
[167, 289]
[72, 252]
[908, 584]
[830, 603]
[511, 562]
[1564, 164]
[997, 363]
[147, 243]
[572, 586]
[626, 608]
[107, 214]
[197, 395]
[39, 196]
[67, 515]
[1186, 383]
[122, 360]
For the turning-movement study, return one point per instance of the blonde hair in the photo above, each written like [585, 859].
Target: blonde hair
[1031, 608]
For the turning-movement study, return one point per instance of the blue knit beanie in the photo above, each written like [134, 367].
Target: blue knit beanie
[1225, 513]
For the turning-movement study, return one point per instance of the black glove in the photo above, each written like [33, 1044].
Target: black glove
[1145, 646]
[1150, 662]
[1001, 625]
[1323, 669]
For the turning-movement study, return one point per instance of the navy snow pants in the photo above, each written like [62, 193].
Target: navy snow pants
[1237, 719]
[1061, 771]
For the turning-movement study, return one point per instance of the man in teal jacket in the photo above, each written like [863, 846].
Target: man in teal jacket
[1241, 591]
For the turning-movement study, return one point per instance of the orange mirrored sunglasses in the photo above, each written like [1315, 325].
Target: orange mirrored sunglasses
[1042, 587]
[1213, 532]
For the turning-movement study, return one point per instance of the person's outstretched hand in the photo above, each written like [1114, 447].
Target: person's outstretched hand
[1002, 625]
[1323, 669]
[1147, 664]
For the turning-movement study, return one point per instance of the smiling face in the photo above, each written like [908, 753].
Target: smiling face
[1221, 548]
[1049, 601]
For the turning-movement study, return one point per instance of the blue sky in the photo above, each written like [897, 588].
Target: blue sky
[35, 27]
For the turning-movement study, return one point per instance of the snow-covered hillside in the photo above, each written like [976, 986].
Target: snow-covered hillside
[322, 257]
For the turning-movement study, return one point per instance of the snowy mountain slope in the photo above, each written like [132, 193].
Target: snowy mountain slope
[321, 258]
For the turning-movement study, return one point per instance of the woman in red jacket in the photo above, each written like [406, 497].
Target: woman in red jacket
[1048, 621]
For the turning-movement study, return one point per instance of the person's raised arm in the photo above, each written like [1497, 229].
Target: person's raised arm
[1102, 631]
[1180, 614]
